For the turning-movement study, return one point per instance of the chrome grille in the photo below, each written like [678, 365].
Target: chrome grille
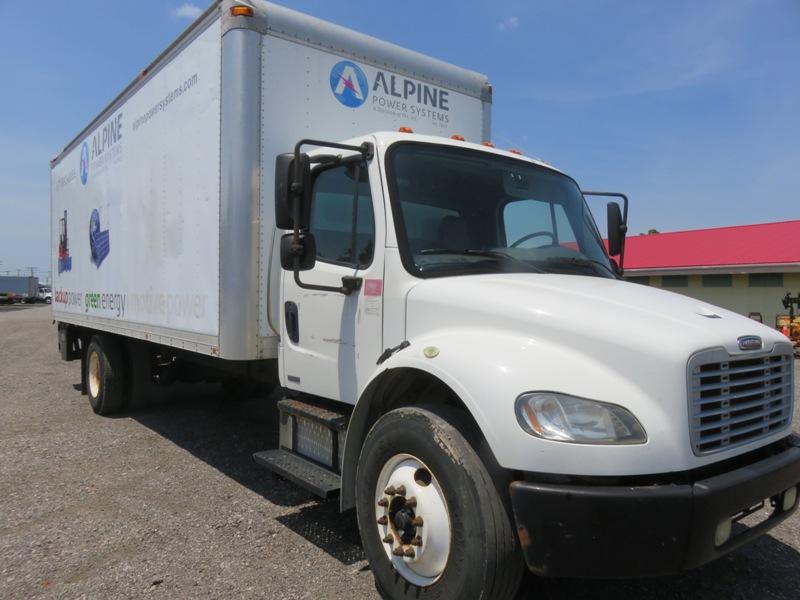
[737, 399]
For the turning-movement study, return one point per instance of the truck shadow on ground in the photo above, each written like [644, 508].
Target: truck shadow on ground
[767, 568]
[224, 433]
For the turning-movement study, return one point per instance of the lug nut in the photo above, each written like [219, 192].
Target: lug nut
[411, 502]
[383, 502]
[390, 491]
[417, 541]
[417, 522]
[397, 551]
[383, 520]
[409, 553]
[389, 539]
[401, 490]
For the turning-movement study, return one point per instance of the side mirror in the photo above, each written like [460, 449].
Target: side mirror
[305, 250]
[285, 196]
[616, 229]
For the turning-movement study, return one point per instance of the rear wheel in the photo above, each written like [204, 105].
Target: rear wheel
[431, 519]
[104, 372]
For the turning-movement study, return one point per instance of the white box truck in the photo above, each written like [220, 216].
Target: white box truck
[280, 200]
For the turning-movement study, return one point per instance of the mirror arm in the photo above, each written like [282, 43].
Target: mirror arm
[623, 228]
[349, 285]
[365, 151]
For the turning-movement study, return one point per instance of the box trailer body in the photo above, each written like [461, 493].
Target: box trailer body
[163, 204]
[278, 199]
[21, 287]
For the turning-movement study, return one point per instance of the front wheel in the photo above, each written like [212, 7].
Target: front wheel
[431, 519]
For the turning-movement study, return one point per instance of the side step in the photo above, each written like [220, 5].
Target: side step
[309, 475]
[311, 439]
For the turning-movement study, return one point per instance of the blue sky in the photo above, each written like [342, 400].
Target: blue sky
[692, 108]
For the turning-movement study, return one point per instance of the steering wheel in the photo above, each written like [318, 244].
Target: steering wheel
[525, 238]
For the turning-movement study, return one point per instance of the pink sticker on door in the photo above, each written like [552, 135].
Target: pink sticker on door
[373, 287]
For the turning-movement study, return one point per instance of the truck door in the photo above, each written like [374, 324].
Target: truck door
[331, 341]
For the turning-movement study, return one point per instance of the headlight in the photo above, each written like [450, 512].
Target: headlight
[563, 418]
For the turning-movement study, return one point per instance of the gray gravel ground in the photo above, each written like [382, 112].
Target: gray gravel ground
[166, 502]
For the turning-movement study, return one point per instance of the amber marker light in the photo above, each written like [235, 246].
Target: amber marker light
[405, 130]
[241, 11]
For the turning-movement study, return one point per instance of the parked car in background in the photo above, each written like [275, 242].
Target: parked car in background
[6, 298]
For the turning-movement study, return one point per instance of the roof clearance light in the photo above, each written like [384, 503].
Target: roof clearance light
[405, 130]
[515, 151]
[457, 137]
[241, 11]
[487, 143]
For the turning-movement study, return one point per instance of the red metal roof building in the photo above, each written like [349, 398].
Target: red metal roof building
[746, 268]
[723, 249]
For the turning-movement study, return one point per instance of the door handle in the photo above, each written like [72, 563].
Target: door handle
[292, 321]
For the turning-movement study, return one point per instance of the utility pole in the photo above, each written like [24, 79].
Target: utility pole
[31, 269]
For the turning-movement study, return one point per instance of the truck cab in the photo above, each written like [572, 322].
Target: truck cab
[435, 289]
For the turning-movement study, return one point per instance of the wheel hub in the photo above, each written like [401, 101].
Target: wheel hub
[412, 519]
[94, 374]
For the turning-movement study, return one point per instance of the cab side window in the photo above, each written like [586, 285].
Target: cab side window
[334, 213]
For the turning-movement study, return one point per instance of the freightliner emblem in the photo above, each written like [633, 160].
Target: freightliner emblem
[750, 342]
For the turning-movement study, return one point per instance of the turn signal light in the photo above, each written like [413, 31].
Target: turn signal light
[241, 11]
[457, 137]
[487, 143]
[405, 130]
[515, 151]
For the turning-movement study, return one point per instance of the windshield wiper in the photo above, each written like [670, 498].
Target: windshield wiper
[586, 262]
[496, 254]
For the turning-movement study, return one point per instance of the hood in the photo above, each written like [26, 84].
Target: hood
[580, 311]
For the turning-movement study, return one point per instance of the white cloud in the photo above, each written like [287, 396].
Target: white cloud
[509, 23]
[187, 10]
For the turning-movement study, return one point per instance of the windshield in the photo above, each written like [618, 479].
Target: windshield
[463, 211]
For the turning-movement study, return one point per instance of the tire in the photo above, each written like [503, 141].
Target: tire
[435, 464]
[104, 375]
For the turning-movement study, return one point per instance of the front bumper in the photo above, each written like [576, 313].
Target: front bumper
[627, 531]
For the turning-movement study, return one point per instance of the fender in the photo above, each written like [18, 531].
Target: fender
[411, 357]
[489, 368]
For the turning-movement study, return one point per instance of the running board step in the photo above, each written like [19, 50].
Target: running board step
[312, 430]
[309, 475]
[330, 419]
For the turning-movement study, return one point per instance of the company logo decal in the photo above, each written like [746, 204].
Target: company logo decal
[102, 150]
[84, 163]
[98, 239]
[390, 94]
[349, 84]
[64, 259]
[750, 342]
